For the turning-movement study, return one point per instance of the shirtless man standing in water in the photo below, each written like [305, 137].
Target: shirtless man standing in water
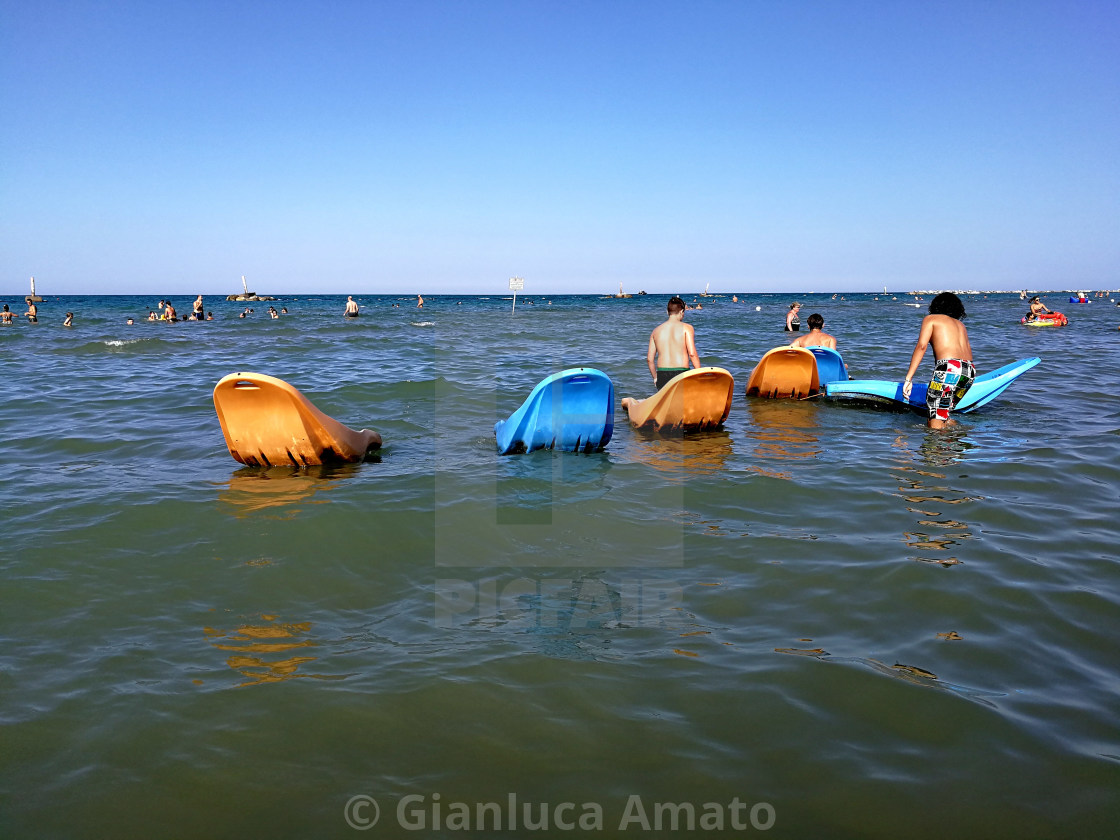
[672, 346]
[953, 372]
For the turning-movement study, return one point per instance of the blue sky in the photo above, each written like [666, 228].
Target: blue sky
[445, 146]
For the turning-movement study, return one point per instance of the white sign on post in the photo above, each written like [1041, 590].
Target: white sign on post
[516, 284]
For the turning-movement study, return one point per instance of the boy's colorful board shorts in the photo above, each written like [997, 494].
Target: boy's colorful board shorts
[951, 380]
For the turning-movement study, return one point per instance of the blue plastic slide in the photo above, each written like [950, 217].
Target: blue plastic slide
[572, 411]
[830, 365]
[986, 388]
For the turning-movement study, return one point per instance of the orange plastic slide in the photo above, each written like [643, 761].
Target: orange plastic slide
[697, 399]
[785, 372]
[267, 422]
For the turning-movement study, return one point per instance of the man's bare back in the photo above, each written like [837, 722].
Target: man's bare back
[948, 337]
[672, 345]
[815, 338]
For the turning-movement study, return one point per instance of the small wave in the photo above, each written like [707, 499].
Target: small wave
[423, 323]
[113, 345]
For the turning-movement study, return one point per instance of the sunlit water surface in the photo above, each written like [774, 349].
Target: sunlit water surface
[875, 630]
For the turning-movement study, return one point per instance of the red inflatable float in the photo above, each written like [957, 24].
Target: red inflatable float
[1046, 319]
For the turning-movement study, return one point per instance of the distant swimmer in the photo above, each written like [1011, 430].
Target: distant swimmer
[152, 316]
[816, 337]
[953, 372]
[672, 346]
[32, 312]
[129, 322]
[169, 312]
[351, 308]
[199, 310]
[793, 323]
[6, 315]
[419, 302]
[69, 322]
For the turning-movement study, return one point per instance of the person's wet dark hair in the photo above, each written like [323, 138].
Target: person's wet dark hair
[816, 321]
[949, 304]
[675, 304]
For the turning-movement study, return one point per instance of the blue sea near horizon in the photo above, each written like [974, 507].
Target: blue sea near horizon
[819, 621]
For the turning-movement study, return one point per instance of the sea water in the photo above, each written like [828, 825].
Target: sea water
[819, 621]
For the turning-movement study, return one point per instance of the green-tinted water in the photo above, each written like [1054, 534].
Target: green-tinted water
[873, 629]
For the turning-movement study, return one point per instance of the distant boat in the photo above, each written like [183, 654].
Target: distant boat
[247, 294]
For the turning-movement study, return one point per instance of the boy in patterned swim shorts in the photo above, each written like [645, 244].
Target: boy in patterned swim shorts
[953, 372]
